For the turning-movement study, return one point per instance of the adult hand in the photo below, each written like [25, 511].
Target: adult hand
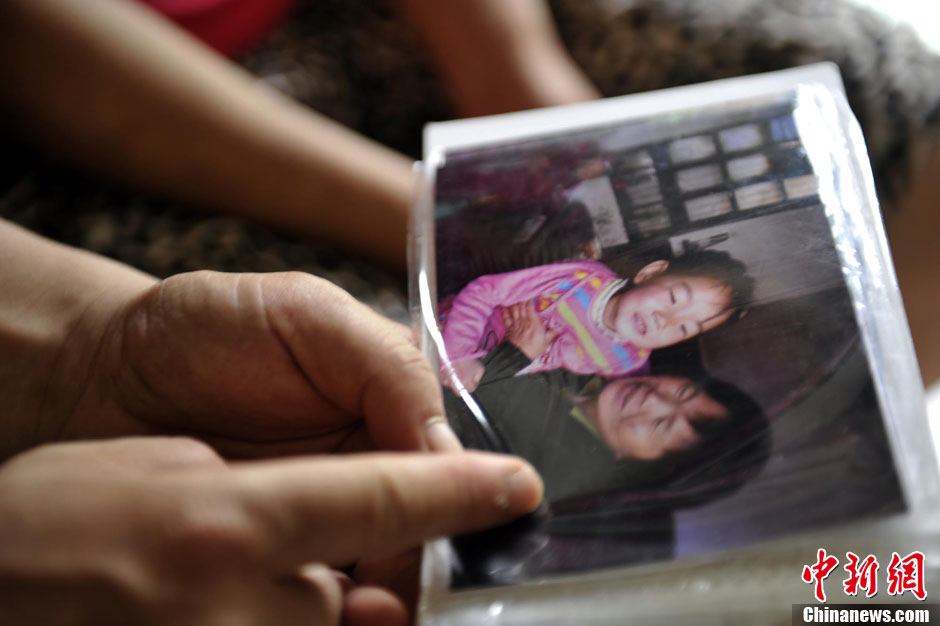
[469, 372]
[255, 364]
[526, 331]
[161, 531]
[498, 56]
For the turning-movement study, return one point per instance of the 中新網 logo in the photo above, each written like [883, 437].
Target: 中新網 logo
[902, 574]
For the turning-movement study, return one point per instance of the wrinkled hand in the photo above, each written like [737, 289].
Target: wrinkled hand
[526, 331]
[257, 365]
[161, 531]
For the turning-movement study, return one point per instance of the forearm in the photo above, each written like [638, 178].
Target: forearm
[126, 93]
[913, 235]
[468, 317]
[499, 56]
[503, 362]
[52, 296]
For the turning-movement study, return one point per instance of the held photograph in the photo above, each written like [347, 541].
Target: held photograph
[655, 315]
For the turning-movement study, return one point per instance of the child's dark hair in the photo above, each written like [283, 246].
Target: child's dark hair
[721, 266]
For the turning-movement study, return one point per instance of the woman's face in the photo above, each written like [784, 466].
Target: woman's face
[647, 417]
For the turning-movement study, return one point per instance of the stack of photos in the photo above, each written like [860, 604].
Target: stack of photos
[654, 314]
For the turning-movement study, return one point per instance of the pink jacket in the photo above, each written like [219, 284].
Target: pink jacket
[563, 295]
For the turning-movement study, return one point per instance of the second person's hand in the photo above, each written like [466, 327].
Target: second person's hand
[161, 531]
[526, 331]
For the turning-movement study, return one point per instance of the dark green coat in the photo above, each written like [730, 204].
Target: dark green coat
[533, 418]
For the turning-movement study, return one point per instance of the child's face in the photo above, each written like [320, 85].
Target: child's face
[647, 417]
[667, 309]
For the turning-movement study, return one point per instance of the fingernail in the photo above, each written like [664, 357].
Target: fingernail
[524, 490]
[345, 583]
[317, 574]
[440, 437]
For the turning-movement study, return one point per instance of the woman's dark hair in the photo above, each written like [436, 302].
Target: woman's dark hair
[730, 452]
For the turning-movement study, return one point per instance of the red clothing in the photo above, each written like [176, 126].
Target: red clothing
[229, 26]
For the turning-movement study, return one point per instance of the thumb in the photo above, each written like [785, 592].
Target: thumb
[551, 335]
[339, 510]
[370, 365]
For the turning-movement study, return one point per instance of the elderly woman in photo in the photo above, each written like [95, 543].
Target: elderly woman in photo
[618, 457]
[648, 432]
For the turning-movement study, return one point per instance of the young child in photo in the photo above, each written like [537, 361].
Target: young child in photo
[597, 322]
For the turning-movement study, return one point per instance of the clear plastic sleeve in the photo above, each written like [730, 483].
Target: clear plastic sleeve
[680, 307]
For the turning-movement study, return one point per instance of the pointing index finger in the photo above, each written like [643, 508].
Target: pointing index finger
[338, 510]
